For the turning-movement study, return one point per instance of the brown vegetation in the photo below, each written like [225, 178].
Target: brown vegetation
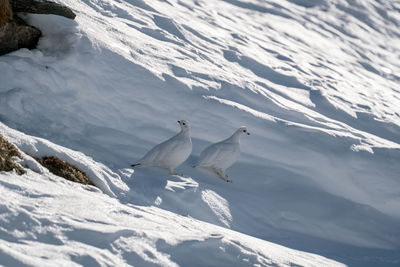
[5, 11]
[53, 164]
[7, 151]
[65, 170]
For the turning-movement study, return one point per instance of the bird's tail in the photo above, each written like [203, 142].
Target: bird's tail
[136, 164]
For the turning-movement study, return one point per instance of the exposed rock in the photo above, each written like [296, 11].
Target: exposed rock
[7, 152]
[64, 169]
[14, 32]
[41, 7]
[5, 11]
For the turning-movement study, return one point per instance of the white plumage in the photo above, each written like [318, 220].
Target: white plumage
[170, 153]
[220, 156]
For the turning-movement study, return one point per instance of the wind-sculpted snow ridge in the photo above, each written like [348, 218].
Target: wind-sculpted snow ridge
[315, 82]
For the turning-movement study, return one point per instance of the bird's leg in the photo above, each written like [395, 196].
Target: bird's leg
[222, 175]
[172, 172]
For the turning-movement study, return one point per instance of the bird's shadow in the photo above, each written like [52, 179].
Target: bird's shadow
[147, 185]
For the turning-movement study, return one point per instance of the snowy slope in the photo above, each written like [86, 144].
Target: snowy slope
[315, 82]
[48, 221]
[93, 229]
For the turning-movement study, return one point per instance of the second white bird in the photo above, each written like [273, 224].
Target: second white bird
[220, 156]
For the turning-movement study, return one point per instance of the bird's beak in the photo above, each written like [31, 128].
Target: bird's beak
[179, 121]
[248, 133]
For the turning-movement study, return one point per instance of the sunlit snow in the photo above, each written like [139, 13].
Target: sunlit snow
[315, 82]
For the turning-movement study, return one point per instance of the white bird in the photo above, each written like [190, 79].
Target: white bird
[170, 153]
[220, 156]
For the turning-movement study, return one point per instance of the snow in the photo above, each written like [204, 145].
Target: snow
[48, 221]
[218, 205]
[315, 82]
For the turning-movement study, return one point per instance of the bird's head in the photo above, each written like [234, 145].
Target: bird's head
[243, 130]
[184, 125]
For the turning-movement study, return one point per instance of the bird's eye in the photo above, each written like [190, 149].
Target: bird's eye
[244, 131]
[184, 123]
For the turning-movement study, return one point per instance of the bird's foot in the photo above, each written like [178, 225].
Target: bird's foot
[172, 172]
[226, 180]
[222, 175]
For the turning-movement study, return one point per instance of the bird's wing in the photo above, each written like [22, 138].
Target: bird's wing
[159, 152]
[226, 153]
[213, 154]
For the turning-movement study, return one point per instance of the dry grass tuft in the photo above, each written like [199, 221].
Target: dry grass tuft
[7, 151]
[65, 170]
[54, 165]
[5, 11]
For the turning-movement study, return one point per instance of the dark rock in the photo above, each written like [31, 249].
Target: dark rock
[41, 7]
[16, 34]
[5, 11]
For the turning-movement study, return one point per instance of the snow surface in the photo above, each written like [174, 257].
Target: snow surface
[48, 221]
[315, 82]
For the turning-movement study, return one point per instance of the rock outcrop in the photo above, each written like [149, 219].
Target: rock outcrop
[41, 7]
[5, 11]
[14, 32]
